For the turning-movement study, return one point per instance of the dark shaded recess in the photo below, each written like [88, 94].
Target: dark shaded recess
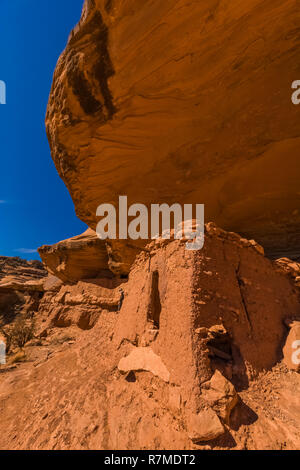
[86, 321]
[110, 307]
[242, 415]
[239, 378]
[81, 89]
[220, 346]
[102, 71]
[11, 304]
[130, 377]
[225, 441]
[108, 5]
[221, 351]
[154, 310]
[104, 68]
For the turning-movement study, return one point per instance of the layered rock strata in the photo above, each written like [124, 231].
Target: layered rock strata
[21, 286]
[81, 257]
[187, 102]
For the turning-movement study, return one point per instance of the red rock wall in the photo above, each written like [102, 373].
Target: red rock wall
[183, 101]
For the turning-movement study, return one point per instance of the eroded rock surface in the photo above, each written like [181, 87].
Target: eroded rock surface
[21, 286]
[19, 271]
[205, 426]
[144, 359]
[174, 101]
[220, 394]
[81, 257]
[80, 304]
[213, 323]
[183, 101]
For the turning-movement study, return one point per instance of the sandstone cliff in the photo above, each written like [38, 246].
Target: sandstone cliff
[183, 101]
[19, 271]
[167, 101]
[21, 286]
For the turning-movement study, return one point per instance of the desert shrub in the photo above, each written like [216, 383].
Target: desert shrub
[18, 333]
[22, 331]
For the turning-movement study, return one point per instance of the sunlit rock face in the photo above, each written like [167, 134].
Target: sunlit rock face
[80, 257]
[21, 287]
[188, 350]
[184, 101]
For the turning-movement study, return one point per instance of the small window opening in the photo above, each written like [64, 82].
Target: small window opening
[155, 304]
[220, 346]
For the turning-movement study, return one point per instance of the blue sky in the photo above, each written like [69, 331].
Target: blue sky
[35, 206]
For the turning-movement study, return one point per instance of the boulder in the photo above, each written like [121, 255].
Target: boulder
[220, 394]
[52, 283]
[80, 257]
[204, 426]
[144, 359]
